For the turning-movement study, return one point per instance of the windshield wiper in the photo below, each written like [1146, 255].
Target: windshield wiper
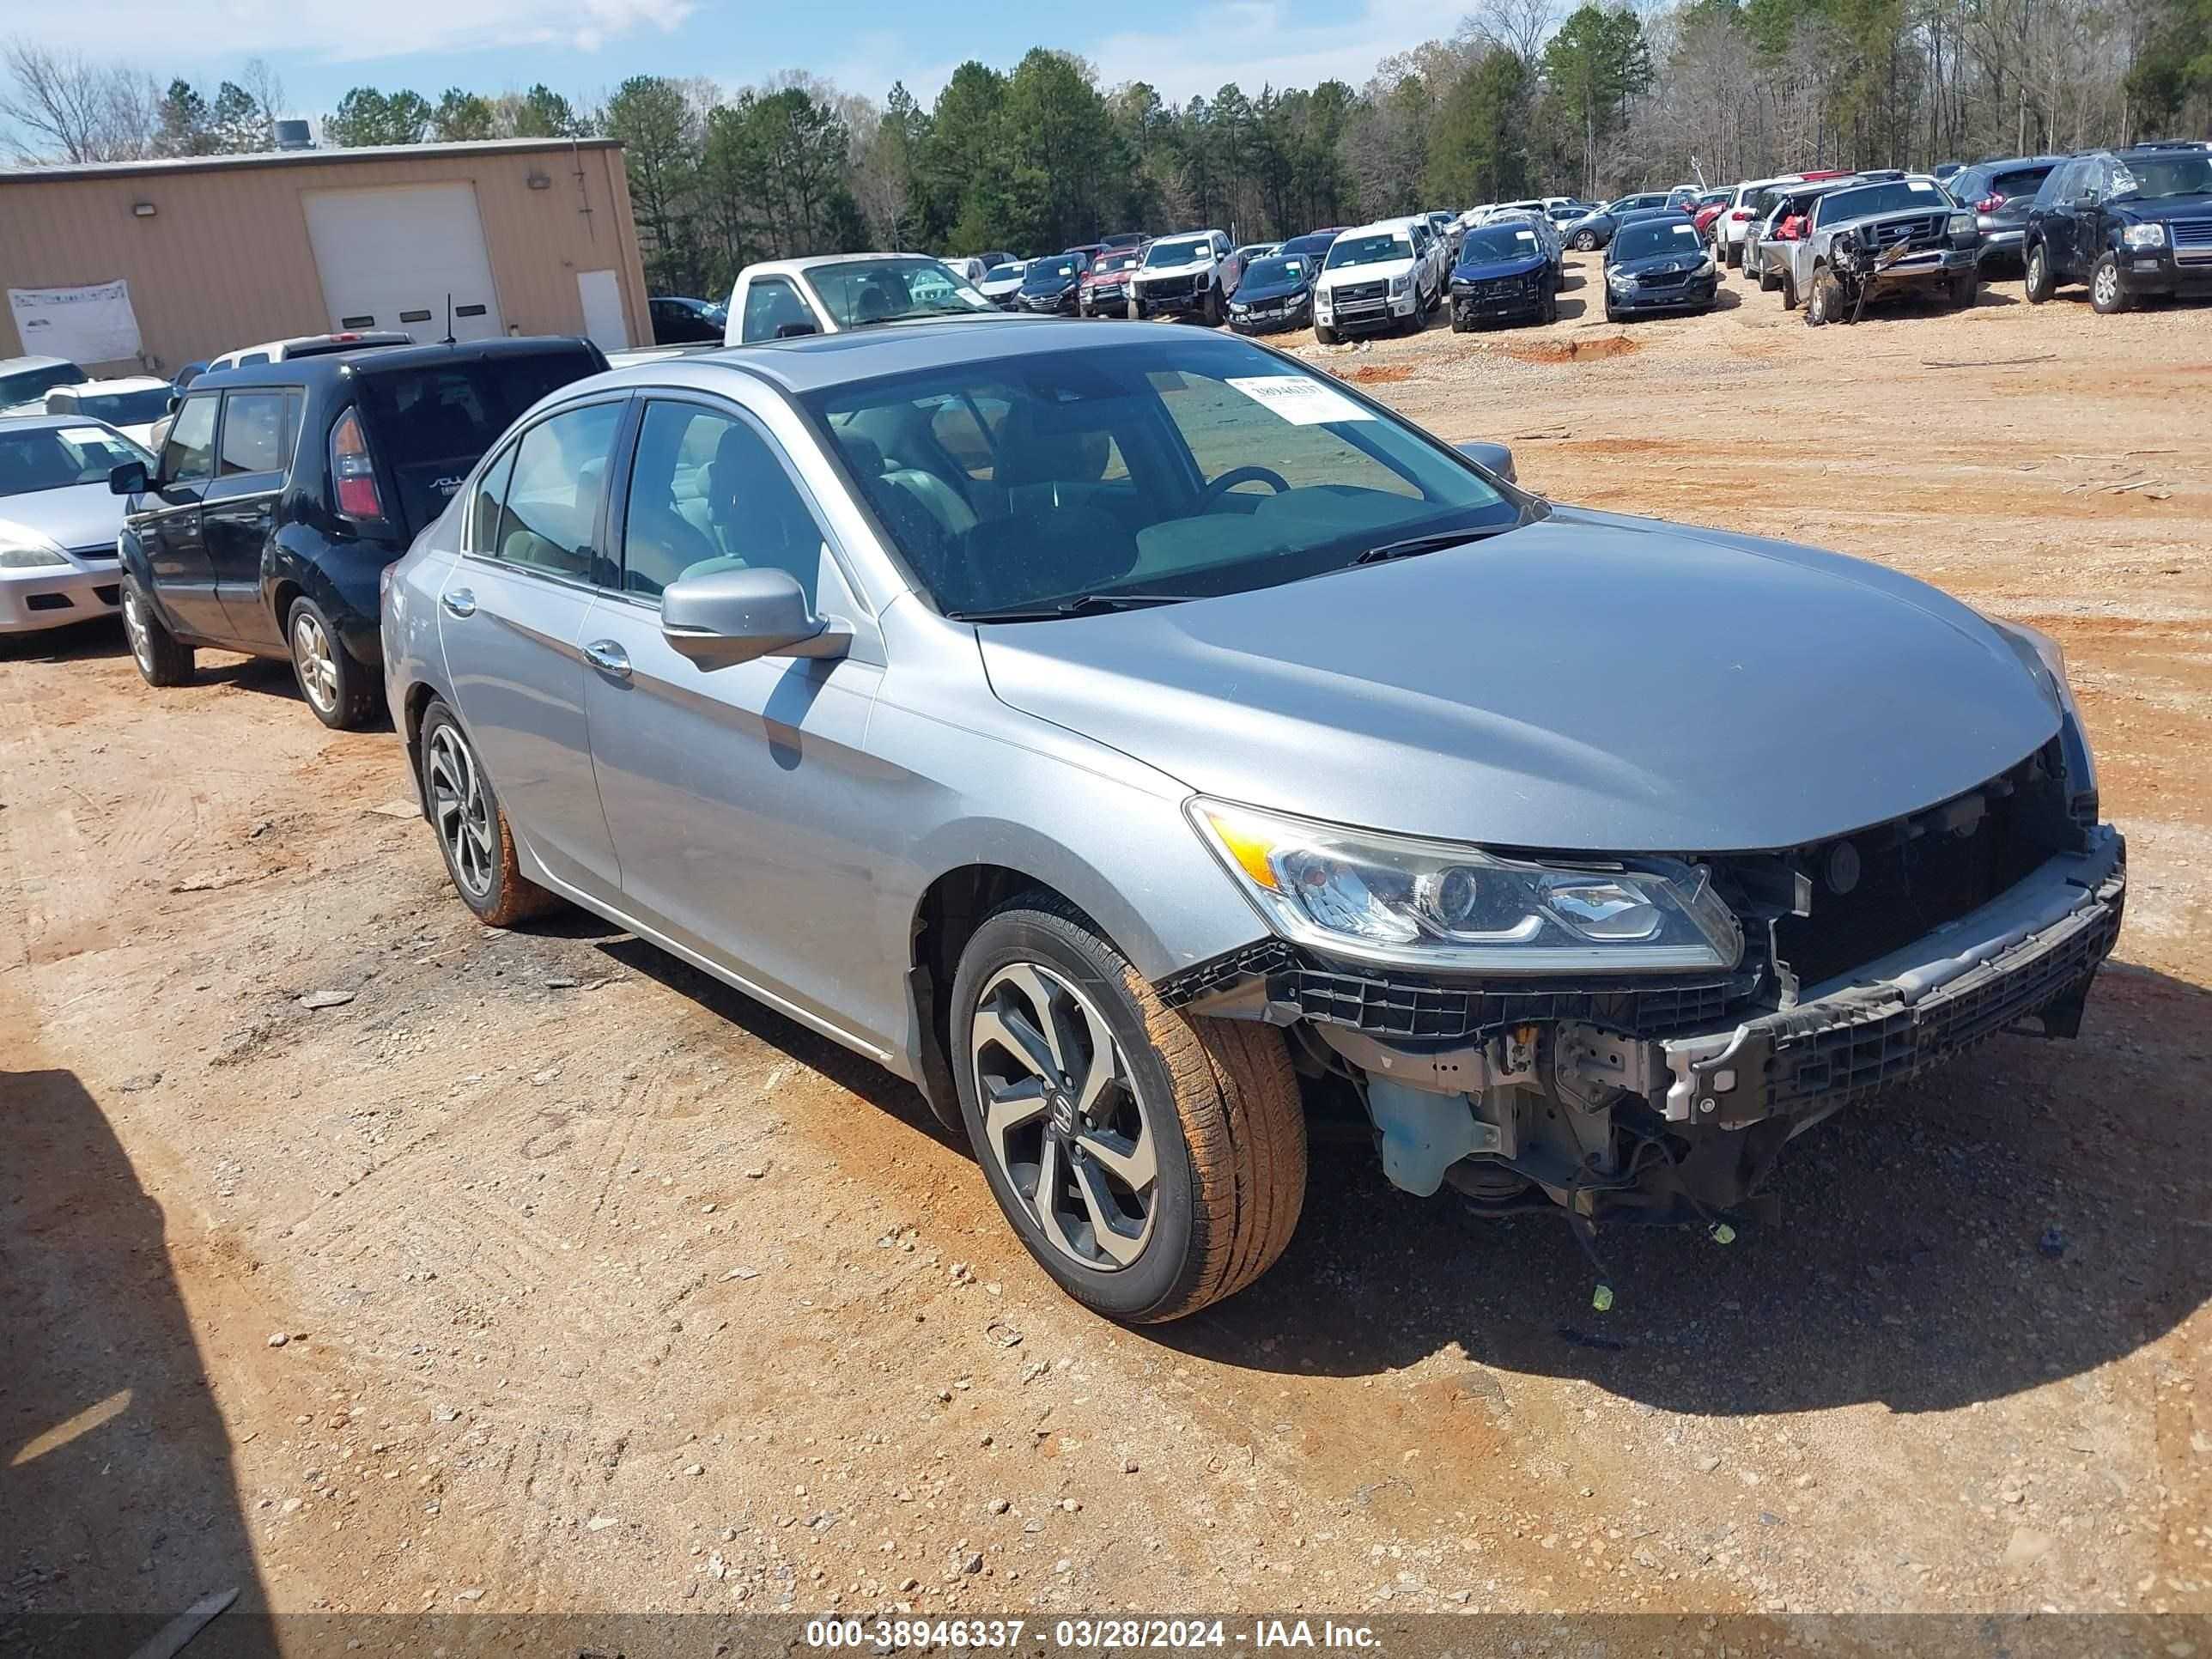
[1081, 605]
[1435, 542]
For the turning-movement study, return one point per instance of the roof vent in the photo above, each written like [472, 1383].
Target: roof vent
[295, 135]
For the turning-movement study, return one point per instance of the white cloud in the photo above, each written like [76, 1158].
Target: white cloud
[1256, 43]
[350, 30]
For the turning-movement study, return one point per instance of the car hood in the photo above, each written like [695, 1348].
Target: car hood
[83, 515]
[1484, 271]
[1188, 268]
[1372, 270]
[1248, 292]
[2168, 208]
[1047, 284]
[1586, 682]
[1682, 259]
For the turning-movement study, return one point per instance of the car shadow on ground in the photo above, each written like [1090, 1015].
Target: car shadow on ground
[119, 1507]
[85, 641]
[274, 677]
[2031, 1212]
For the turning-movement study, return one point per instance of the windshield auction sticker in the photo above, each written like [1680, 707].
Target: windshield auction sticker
[1298, 400]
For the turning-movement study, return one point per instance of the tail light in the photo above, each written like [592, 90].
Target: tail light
[351, 467]
[1988, 204]
[1743, 214]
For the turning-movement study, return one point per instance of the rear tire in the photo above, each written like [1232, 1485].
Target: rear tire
[1766, 283]
[1585, 241]
[162, 659]
[1151, 1188]
[471, 826]
[341, 692]
[2038, 275]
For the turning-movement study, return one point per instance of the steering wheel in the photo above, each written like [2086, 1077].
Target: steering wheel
[1238, 475]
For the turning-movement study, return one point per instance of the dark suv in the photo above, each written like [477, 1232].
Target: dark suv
[2128, 222]
[282, 491]
[1999, 195]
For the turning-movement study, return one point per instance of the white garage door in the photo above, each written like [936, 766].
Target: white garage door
[397, 257]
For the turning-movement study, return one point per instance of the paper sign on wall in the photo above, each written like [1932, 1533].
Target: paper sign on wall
[94, 324]
[1298, 400]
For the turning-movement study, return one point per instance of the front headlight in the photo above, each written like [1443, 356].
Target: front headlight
[24, 549]
[1962, 224]
[1399, 285]
[1435, 904]
[1620, 281]
[2151, 235]
[2045, 662]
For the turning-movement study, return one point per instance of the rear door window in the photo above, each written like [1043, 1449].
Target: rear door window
[552, 509]
[431, 423]
[257, 430]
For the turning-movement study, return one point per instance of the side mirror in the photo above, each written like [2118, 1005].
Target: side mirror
[795, 330]
[1495, 458]
[128, 479]
[723, 617]
[174, 400]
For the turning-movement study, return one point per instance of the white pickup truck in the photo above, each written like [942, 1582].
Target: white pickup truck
[778, 299]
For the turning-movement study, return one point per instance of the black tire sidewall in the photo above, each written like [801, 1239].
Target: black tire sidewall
[439, 715]
[349, 705]
[1155, 1279]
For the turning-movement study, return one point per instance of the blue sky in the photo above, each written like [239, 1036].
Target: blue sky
[585, 47]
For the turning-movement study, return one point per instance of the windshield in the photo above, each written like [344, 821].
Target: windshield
[1368, 250]
[55, 457]
[857, 292]
[1490, 242]
[1112, 262]
[1276, 270]
[1192, 466]
[1647, 237]
[1013, 273]
[1316, 244]
[29, 386]
[1184, 253]
[2141, 178]
[1044, 273]
[138, 408]
[1900, 196]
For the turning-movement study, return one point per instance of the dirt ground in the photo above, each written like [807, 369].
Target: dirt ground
[602, 1288]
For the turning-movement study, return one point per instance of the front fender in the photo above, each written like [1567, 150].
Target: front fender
[131, 554]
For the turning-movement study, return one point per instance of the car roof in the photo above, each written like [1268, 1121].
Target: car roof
[1374, 228]
[381, 360]
[119, 383]
[792, 267]
[814, 362]
[47, 422]
[8, 365]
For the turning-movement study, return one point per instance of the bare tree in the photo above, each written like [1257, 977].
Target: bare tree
[1519, 26]
[261, 84]
[63, 107]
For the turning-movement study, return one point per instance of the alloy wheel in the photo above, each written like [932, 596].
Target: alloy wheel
[2108, 287]
[134, 629]
[312, 656]
[460, 810]
[1062, 1117]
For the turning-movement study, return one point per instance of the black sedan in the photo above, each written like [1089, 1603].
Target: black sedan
[1052, 285]
[1274, 293]
[1658, 264]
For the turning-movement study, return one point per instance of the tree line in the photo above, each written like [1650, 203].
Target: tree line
[1524, 98]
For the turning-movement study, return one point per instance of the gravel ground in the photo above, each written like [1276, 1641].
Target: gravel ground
[534, 1271]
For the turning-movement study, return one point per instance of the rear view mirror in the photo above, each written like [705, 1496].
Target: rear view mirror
[128, 479]
[725, 617]
[1494, 458]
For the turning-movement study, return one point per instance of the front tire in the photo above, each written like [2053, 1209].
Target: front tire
[471, 826]
[1152, 1162]
[1324, 335]
[341, 693]
[1826, 303]
[2106, 295]
[2039, 285]
[162, 659]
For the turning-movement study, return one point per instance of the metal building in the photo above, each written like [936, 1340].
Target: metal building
[509, 236]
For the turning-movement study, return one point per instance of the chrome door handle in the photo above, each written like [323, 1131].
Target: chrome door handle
[608, 658]
[459, 601]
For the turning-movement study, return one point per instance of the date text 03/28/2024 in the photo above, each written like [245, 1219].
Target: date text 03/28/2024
[892, 1635]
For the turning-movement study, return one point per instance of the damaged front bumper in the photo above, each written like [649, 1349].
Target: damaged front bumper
[1672, 1102]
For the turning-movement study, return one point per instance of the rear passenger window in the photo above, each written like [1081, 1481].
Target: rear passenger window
[257, 428]
[553, 499]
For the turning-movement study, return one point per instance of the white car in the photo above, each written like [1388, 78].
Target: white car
[1739, 218]
[305, 345]
[133, 404]
[778, 299]
[24, 382]
[1375, 277]
[1189, 273]
[59, 520]
[1000, 283]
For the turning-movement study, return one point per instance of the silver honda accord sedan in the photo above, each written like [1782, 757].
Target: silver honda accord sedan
[1138, 740]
